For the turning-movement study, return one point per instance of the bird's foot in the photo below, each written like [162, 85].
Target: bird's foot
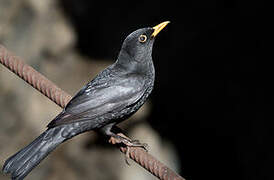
[121, 139]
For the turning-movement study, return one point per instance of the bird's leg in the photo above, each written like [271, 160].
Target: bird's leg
[119, 138]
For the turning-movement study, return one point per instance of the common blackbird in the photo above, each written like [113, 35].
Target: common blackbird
[111, 97]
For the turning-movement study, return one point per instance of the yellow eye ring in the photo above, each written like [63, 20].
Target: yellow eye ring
[143, 38]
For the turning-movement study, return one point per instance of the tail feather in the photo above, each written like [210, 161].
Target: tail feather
[14, 161]
[20, 164]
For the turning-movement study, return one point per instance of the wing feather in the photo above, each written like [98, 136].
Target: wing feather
[99, 99]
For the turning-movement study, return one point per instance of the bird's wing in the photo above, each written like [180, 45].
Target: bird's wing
[101, 99]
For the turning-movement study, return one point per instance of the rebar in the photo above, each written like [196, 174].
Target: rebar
[61, 98]
[34, 78]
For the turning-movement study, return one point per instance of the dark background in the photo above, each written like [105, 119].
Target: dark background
[213, 92]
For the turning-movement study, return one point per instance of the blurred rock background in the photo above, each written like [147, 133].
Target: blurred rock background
[42, 35]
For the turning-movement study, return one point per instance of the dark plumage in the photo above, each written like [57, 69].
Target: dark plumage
[111, 97]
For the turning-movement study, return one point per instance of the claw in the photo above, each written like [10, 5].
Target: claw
[145, 147]
[127, 156]
[128, 143]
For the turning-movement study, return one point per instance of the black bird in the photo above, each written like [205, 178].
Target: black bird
[111, 97]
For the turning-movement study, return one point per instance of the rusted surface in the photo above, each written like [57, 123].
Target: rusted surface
[34, 78]
[151, 164]
[61, 98]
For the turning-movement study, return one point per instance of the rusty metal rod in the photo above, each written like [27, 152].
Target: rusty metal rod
[61, 98]
[34, 78]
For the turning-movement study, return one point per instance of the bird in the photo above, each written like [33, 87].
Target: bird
[111, 97]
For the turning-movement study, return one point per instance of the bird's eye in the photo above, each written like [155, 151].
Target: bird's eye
[143, 38]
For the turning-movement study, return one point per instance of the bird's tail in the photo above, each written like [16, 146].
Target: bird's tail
[21, 163]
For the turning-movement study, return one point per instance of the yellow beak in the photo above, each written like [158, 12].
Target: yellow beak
[158, 28]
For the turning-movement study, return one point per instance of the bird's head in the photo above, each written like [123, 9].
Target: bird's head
[138, 45]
